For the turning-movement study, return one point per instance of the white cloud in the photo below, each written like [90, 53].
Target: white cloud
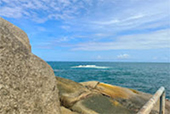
[114, 21]
[100, 34]
[123, 56]
[136, 17]
[119, 21]
[11, 12]
[154, 40]
[96, 21]
[108, 11]
[65, 27]
[40, 10]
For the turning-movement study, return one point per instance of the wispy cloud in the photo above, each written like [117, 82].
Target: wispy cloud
[109, 22]
[118, 21]
[153, 40]
[92, 25]
[41, 10]
[9, 12]
[123, 56]
[65, 27]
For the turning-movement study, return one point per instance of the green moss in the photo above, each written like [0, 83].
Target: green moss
[103, 105]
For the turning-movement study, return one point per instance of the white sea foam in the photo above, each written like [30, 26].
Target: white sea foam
[90, 66]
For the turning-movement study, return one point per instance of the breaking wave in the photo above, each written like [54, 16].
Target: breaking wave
[90, 66]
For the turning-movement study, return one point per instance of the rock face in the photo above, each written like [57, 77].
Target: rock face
[66, 111]
[128, 98]
[99, 98]
[27, 83]
[70, 91]
[82, 100]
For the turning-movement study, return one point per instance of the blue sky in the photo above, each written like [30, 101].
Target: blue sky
[94, 30]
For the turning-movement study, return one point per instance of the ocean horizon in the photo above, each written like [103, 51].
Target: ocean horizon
[142, 76]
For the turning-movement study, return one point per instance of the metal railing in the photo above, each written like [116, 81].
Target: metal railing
[147, 108]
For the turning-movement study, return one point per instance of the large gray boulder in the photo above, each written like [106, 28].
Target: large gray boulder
[27, 83]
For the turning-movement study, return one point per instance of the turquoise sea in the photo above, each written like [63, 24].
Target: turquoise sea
[146, 77]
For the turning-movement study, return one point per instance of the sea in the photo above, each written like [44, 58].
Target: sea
[145, 77]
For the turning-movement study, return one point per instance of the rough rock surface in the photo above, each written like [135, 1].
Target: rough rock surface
[99, 98]
[82, 100]
[99, 104]
[27, 83]
[128, 98]
[66, 111]
[70, 91]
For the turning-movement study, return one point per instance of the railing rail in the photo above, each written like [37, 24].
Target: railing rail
[147, 108]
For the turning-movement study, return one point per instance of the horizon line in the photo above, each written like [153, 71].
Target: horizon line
[116, 61]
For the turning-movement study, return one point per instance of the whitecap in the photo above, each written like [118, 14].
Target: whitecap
[90, 66]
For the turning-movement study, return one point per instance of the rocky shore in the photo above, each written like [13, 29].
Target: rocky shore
[99, 98]
[28, 85]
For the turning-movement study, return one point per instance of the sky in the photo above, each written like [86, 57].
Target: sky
[94, 30]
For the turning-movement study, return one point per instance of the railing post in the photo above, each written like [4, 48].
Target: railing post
[162, 104]
[160, 94]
